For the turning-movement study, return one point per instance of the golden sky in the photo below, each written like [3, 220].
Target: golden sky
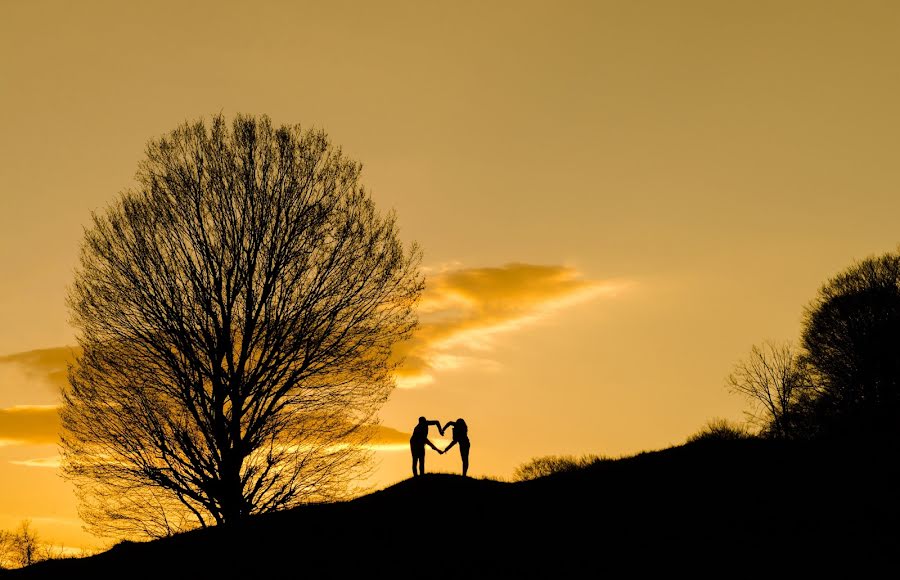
[616, 199]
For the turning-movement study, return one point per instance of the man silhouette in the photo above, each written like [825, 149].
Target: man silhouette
[417, 444]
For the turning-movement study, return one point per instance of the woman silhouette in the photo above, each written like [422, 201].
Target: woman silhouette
[461, 436]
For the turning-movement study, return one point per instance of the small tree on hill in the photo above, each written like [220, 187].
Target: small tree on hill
[20, 548]
[773, 379]
[6, 555]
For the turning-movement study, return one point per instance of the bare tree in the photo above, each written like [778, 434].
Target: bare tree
[772, 377]
[6, 550]
[24, 543]
[237, 312]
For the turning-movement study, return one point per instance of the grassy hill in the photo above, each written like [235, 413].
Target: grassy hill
[708, 508]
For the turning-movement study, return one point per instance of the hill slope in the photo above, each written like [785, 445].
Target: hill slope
[733, 508]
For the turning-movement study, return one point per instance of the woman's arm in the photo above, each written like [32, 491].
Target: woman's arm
[449, 424]
[447, 448]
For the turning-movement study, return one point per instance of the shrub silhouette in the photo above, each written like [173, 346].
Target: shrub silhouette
[550, 464]
[719, 429]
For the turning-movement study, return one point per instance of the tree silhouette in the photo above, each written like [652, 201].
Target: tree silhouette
[237, 313]
[851, 336]
[20, 548]
[774, 379]
[6, 550]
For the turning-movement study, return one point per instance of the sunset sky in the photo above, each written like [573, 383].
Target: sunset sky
[615, 199]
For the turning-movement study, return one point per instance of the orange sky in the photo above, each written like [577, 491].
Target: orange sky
[615, 199]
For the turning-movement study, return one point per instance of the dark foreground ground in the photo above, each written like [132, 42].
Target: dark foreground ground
[721, 509]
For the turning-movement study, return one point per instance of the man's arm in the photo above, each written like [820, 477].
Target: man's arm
[428, 441]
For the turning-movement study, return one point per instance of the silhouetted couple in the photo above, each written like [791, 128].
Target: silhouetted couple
[419, 440]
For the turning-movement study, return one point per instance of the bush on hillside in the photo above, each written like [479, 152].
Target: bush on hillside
[550, 464]
[721, 430]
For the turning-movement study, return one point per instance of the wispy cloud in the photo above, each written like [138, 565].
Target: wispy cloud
[48, 364]
[51, 462]
[34, 377]
[463, 310]
[29, 424]
[462, 313]
[389, 436]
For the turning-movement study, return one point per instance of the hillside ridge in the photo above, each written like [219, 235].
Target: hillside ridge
[691, 507]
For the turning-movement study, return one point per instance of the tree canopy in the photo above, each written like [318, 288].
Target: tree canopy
[237, 312]
[851, 339]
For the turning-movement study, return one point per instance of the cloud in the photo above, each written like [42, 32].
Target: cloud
[29, 424]
[389, 436]
[463, 310]
[35, 376]
[462, 313]
[52, 462]
[49, 364]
